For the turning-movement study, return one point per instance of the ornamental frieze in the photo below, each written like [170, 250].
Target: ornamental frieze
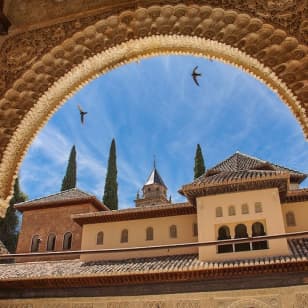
[20, 51]
[301, 300]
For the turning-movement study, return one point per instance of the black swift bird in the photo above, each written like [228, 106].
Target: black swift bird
[195, 74]
[82, 114]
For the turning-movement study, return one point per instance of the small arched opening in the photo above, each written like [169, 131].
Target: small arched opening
[241, 232]
[35, 243]
[100, 238]
[51, 242]
[67, 241]
[224, 234]
[258, 230]
[124, 236]
[149, 234]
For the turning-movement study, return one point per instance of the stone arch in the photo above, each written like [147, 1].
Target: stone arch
[248, 303]
[43, 77]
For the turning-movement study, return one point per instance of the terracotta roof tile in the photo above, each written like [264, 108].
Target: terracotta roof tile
[230, 176]
[136, 213]
[73, 193]
[239, 161]
[66, 196]
[74, 268]
[242, 172]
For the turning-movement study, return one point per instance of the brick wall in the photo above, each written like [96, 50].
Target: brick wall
[56, 220]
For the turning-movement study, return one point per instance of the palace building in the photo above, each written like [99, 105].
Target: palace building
[214, 242]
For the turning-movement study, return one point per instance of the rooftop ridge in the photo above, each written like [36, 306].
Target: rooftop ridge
[55, 194]
[241, 161]
[250, 156]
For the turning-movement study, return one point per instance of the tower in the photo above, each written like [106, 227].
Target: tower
[154, 191]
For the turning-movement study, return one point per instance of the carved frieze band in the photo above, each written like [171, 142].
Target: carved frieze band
[301, 300]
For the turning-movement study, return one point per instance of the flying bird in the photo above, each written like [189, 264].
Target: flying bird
[195, 74]
[82, 114]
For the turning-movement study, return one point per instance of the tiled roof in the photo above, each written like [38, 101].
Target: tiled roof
[3, 250]
[155, 178]
[241, 172]
[175, 263]
[162, 210]
[299, 247]
[235, 181]
[234, 176]
[73, 195]
[239, 161]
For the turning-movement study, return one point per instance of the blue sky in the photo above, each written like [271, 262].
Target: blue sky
[154, 108]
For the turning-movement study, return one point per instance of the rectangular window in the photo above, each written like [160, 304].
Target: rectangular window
[258, 207]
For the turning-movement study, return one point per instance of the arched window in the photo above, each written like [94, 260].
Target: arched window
[149, 234]
[224, 234]
[290, 217]
[173, 231]
[124, 236]
[258, 230]
[245, 209]
[67, 241]
[195, 229]
[100, 238]
[35, 243]
[241, 232]
[51, 242]
[219, 211]
[231, 210]
[258, 207]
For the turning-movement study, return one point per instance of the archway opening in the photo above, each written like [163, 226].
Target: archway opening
[153, 107]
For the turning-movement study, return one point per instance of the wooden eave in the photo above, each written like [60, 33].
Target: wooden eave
[139, 213]
[157, 277]
[298, 195]
[194, 190]
[35, 205]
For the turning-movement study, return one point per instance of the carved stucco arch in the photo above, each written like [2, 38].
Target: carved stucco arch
[84, 52]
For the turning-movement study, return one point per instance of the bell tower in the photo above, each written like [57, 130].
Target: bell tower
[154, 191]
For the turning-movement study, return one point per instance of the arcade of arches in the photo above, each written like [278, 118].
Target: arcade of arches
[52, 48]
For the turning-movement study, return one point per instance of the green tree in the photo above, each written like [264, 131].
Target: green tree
[111, 185]
[199, 168]
[69, 180]
[9, 224]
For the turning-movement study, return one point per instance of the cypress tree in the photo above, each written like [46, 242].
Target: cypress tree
[111, 186]
[199, 168]
[69, 180]
[9, 224]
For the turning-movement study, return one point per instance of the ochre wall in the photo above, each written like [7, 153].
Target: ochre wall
[55, 220]
[137, 236]
[300, 210]
[271, 217]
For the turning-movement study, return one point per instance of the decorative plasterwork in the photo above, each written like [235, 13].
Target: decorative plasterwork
[247, 303]
[93, 45]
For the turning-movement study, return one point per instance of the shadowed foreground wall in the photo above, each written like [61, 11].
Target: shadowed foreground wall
[291, 297]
